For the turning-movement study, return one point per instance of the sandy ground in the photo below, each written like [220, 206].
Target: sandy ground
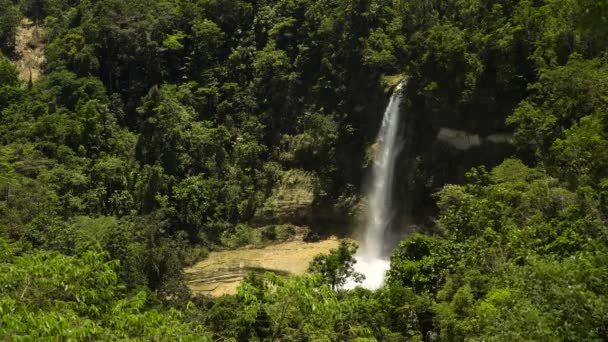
[222, 272]
[29, 60]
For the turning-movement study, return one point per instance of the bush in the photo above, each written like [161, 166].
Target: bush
[285, 232]
[238, 236]
[195, 254]
[268, 233]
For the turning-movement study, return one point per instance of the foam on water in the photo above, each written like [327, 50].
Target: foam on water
[374, 271]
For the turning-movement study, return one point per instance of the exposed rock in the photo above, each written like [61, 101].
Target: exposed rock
[291, 199]
[30, 50]
[460, 140]
[463, 141]
[222, 272]
[500, 138]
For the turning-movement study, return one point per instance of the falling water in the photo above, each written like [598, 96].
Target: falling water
[371, 260]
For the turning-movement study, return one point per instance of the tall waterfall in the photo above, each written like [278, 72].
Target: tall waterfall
[371, 259]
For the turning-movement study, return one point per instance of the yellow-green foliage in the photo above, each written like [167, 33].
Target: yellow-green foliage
[46, 295]
[389, 82]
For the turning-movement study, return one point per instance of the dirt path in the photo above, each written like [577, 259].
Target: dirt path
[222, 272]
[30, 51]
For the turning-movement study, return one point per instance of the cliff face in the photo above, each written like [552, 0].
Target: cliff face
[30, 50]
[440, 146]
[443, 142]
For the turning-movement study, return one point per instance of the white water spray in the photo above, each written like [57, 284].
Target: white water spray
[371, 260]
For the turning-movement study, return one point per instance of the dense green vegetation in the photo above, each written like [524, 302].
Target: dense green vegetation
[160, 129]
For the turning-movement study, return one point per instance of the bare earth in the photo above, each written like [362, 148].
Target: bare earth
[222, 272]
[30, 58]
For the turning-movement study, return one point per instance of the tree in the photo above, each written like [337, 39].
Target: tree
[337, 266]
[48, 295]
[9, 20]
[10, 90]
[9, 76]
[420, 262]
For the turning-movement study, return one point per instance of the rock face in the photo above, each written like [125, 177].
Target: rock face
[291, 200]
[29, 49]
[440, 147]
[463, 141]
[460, 140]
[222, 272]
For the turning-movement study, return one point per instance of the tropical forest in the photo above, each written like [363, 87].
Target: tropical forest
[304, 170]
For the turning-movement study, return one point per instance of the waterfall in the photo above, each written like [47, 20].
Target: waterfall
[372, 262]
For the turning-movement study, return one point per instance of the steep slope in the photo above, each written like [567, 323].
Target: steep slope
[30, 49]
